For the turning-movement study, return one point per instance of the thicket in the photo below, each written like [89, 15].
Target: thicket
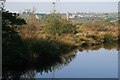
[54, 24]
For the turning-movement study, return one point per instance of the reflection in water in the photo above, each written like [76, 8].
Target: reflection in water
[42, 64]
[46, 63]
[108, 46]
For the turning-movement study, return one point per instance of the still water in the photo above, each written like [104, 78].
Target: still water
[101, 63]
[86, 62]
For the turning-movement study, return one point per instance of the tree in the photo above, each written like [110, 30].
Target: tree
[13, 48]
[11, 19]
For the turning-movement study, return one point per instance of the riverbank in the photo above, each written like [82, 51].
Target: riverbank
[76, 33]
[39, 42]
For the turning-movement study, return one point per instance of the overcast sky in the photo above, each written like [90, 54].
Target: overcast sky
[46, 7]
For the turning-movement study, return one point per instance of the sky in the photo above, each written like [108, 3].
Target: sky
[63, 7]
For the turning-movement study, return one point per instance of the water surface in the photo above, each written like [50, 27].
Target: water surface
[100, 63]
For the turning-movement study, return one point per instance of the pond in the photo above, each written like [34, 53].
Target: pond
[99, 61]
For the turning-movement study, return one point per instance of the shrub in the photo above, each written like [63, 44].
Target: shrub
[54, 24]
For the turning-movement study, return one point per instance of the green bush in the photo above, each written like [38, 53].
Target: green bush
[54, 24]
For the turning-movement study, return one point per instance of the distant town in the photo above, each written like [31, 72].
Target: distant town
[79, 16]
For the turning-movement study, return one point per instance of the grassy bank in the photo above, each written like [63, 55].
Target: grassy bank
[85, 33]
[57, 36]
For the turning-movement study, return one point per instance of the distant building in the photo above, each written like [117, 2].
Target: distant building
[73, 15]
[70, 15]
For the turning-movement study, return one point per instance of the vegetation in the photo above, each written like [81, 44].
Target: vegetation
[49, 42]
[54, 24]
[13, 46]
[57, 35]
[109, 38]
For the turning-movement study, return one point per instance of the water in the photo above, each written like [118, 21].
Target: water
[88, 64]
[99, 61]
